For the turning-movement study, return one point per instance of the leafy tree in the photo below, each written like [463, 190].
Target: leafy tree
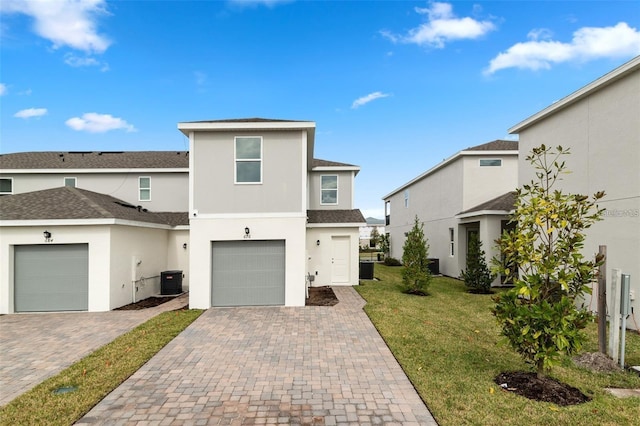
[374, 238]
[415, 275]
[539, 317]
[385, 245]
[477, 276]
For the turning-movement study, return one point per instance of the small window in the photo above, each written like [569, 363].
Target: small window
[490, 162]
[144, 185]
[387, 212]
[329, 189]
[406, 198]
[70, 181]
[248, 159]
[6, 186]
[451, 243]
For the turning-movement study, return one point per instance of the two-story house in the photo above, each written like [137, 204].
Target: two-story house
[266, 218]
[93, 231]
[600, 124]
[155, 180]
[469, 192]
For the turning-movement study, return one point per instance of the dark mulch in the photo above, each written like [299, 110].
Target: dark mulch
[149, 302]
[543, 389]
[417, 292]
[321, 296]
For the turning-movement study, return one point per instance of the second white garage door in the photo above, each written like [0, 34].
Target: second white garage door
[247, 273]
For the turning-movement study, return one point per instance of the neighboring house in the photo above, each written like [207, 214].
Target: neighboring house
[266, 218]
[365, 232]
[470, 192]
[155, 180]
[600, 123]
[69, 249]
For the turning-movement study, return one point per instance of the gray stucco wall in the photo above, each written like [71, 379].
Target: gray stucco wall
[283, 181]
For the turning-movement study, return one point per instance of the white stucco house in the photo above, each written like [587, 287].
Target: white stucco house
[248, 216]
[600, 124]
[469, 192]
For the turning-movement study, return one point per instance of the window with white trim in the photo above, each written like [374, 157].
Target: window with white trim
[452, 247]
[490, 162]
[329, 189]
[6, 186]
[70, 181]
[406, 198]
[248, 157]
[144, 188]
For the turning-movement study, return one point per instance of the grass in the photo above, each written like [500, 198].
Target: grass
[448, 345]
[96, 375]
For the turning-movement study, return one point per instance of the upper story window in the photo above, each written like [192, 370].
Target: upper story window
[248, 159]
[387, 212]
[329, 189]
[406, 198]
[6, 186]
[70, 181]
[490, 162]
[144, 188]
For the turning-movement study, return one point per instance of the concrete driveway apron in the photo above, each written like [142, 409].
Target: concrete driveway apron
[270, 365]
[34, 347]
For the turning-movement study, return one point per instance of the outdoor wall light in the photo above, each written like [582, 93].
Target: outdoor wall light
[318, 242]
[47, 236]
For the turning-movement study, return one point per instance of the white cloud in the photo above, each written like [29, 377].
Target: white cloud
[368, 98]
[69, 23]
[3, 89]
[87, 61]
[98, 123]
[587, 44]
[31, 112]
[442, 26]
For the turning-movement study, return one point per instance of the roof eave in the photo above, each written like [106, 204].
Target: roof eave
[612, 76]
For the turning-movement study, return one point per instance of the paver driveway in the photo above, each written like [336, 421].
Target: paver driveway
[273, 365]
[37, 346]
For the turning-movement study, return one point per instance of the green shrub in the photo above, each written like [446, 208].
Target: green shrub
[477, 276]
[416, 275]
[392, 261]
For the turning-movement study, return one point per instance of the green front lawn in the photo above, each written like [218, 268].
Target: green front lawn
[96, 375]
[448, 345]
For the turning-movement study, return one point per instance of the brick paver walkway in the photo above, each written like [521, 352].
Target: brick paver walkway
[272, 365]
[34, 347]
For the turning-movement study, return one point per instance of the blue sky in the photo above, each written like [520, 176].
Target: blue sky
[394, 87]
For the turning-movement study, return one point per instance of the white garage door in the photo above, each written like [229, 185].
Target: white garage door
[247, 273]
[52, 277]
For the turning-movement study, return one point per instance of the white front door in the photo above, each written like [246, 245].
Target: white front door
[340, 259]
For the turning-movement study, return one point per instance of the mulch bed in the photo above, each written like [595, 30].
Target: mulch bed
[149, 302]
[321, 296]
[543, 389]
[318, 296]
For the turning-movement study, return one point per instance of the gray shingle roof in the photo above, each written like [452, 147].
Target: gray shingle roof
[497, 145]
[249, 120]
[75, 203]
[504, 202]
[335, 216]
[326, 163]
[96, 160]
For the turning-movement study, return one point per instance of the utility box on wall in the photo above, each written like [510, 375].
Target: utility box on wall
[170, 282]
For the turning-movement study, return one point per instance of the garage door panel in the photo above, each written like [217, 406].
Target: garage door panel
[248, 273]
[52, 277]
